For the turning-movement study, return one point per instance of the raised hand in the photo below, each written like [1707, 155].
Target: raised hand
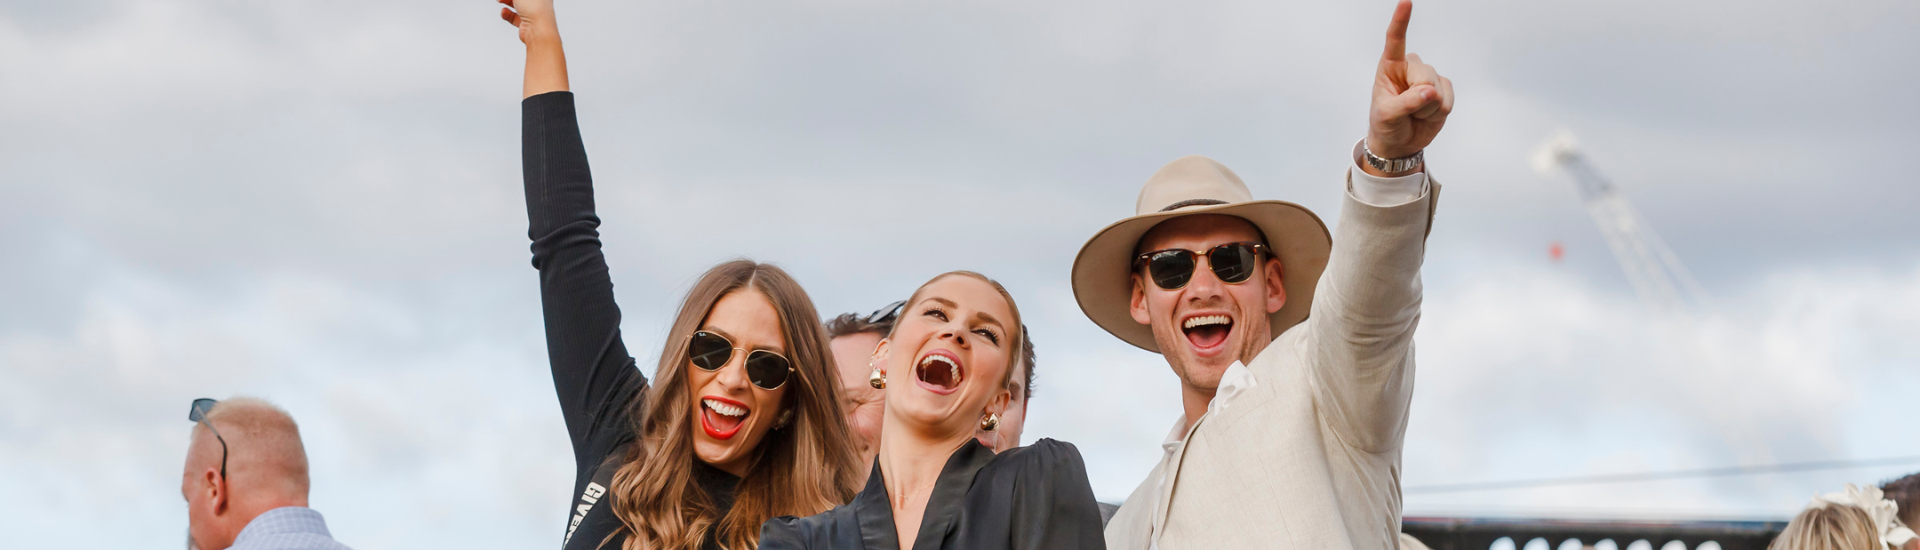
[546, 60]
[1410, 99]
[533, 17]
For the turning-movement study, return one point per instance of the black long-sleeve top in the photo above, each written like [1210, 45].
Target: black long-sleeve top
[1030, 498]
[596, 380]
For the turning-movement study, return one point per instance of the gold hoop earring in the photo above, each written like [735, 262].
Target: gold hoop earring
[990, 421]
[878, 379]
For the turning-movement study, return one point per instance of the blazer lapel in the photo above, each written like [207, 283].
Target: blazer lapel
[1164, 506]
[875, 513]
[875, 510]
[950, 494]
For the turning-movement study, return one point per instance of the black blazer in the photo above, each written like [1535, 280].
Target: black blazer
[1034, 497]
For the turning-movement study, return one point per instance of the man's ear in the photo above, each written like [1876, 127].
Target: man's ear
[1138, 306]
[216, 488]
[1276, 286]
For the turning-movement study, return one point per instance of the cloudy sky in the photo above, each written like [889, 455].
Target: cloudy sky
[319, 203]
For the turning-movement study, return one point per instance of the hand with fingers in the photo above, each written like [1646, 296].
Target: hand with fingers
[533, 17]
[546, 60]
[1410, 99]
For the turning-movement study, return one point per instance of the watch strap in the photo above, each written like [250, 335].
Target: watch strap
[1400, 165]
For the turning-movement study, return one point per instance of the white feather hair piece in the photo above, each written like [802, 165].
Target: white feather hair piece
[1886, 522]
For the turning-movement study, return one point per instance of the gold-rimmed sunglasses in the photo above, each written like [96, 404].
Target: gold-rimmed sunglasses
[710, 351]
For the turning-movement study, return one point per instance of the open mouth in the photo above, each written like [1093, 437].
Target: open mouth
[1207, 333]
[939, 371]
[722, 417]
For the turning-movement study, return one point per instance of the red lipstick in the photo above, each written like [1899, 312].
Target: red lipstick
[722, 426]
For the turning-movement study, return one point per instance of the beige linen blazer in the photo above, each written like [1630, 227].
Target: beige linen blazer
[1309, 457]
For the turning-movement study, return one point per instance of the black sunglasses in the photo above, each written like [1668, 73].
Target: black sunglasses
[885, 315]
[765, 369]
[1233, 263]
[198, 413]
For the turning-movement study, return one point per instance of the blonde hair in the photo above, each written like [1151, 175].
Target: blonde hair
[803, 469]
[1829, 527]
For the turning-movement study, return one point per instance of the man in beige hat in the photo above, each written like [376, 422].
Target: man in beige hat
[1293, 424]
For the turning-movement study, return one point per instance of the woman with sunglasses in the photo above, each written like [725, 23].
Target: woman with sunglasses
[743, 421]
[945, 368]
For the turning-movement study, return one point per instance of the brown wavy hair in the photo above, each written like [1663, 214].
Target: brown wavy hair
[802, 469]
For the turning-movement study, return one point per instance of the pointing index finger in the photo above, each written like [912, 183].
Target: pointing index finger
[1397, 32]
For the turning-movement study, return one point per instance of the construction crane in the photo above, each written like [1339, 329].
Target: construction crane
[1657, 275]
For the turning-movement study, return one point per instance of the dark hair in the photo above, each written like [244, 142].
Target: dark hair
[1905, 493]
[801, 470]
[1026, 358]
[849, 324]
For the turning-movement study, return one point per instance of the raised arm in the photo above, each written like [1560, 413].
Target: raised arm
[546, 61]
[1367, 304]
[593, 375]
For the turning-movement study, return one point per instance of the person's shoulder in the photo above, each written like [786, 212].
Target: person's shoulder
[785, 532]
[1044, 449]
[1107, 511]
[792, 532]
[1046, 455]
[291, 541]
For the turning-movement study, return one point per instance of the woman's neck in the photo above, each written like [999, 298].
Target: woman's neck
[912, 460]
[910, 465]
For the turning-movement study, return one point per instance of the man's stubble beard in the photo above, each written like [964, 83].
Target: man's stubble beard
[1172, 347]
[1253, 342]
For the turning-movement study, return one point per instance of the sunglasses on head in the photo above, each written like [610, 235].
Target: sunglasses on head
[1173, 268]
[767, 370]
[885, 315]
[201, 407]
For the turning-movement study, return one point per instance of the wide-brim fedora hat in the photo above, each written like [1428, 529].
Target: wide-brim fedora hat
[1190, 185]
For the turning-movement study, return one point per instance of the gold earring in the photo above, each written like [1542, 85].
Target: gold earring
[990, 421]
[878, 379]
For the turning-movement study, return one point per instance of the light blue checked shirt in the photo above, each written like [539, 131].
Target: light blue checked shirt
[287, 528]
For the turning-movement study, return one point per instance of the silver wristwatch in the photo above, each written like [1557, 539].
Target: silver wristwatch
[1400, 165]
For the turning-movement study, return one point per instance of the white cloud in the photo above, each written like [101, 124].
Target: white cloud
[1531, 372]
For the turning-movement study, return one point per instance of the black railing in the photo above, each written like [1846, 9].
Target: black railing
[1442, 533]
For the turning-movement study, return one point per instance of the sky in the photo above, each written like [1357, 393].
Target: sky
[320, 204]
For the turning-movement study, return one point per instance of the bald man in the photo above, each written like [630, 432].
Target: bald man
[246, 480]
